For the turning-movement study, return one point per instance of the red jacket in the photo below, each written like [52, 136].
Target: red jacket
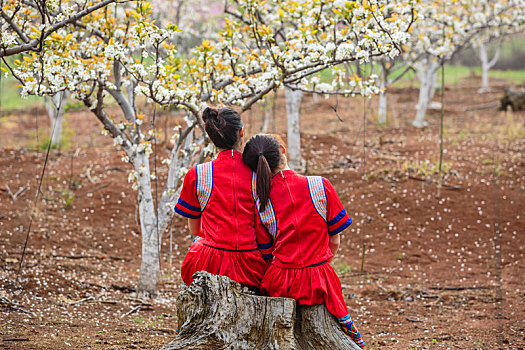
[220, 193]
[302, 213]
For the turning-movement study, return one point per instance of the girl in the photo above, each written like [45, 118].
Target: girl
[303, 216]
[216, 198]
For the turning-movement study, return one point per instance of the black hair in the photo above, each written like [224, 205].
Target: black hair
[262, 155]
[223, 126]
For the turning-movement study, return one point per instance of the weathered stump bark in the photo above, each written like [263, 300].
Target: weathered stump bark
[218, 313]
[515, 98]
[316, 328]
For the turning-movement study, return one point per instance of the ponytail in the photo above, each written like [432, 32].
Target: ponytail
[262, 155]
[264, 177]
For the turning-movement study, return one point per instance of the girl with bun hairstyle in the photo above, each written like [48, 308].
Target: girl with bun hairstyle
[217, 199]
[303, 216]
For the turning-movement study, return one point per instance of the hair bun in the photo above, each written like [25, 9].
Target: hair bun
[210, 114]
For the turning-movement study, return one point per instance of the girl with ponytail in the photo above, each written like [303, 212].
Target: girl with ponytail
[217, 199]
[303, 217]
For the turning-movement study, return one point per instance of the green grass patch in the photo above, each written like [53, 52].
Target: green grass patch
[516, 76]
[10, 99]
[453, 75]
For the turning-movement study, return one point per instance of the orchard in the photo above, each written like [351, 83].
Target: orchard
[396, 103]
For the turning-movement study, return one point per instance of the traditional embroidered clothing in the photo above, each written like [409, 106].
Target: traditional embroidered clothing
[301, 215]
[219, 192]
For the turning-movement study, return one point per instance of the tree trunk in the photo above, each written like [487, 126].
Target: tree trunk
[55, 109]
[486, 65]
[382, 108]
[316, 328]
[267, 116]
[150, 266]
[383, 102]
[215, 312]
[293, 104]
[426, 74]
[316, 98]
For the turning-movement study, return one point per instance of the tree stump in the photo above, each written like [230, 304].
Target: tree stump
[215, 312]
[515, 98]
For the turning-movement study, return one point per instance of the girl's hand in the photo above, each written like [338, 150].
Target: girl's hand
[195, 227]
[334, 243]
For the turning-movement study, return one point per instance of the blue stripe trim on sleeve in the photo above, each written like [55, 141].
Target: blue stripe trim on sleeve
[183, 213]
[340, 228]
[337, 218]
[265, 246]
[267, 256]
[188, 205]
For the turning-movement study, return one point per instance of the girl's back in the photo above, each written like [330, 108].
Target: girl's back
[220, 193]
[216, 198]
[307, 212]
[303, 217]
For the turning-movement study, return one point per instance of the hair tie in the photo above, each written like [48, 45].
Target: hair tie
[260, 154]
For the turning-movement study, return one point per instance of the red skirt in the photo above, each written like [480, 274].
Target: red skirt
[308, 285]
[245, 267]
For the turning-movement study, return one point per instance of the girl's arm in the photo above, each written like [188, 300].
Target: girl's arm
[334, 243]
[195, 227]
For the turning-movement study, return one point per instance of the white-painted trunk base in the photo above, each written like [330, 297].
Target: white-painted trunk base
[382, 109]
[293, 105]
[486, 66]
[150, 266]
[55, 106]
[426, 74]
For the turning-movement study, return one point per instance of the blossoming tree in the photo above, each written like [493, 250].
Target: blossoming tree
[497, 35]
[25, 25]
[447, 26]
[270, 45]
[120, 54]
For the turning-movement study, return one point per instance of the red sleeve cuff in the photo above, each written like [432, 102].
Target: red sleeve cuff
[187, 210]
[339, 223]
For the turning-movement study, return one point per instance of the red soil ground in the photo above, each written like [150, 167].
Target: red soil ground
[441, 272]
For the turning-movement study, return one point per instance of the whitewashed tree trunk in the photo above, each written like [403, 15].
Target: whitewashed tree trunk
[387, 67]
[150, 265]
[426, 74]
[486, 66]
[316, 98]
[55, 109]
[152, 227]
[293, 105]
[382, 110]
[383, 102]
[267, 116]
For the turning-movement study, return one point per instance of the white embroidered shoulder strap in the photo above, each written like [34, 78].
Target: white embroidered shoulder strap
[317, 194]
[267, 217]
[204, 183]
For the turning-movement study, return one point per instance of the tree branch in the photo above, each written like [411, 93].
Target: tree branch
[35, 45]
[258, 96]
[13, 25]
[101, 115]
